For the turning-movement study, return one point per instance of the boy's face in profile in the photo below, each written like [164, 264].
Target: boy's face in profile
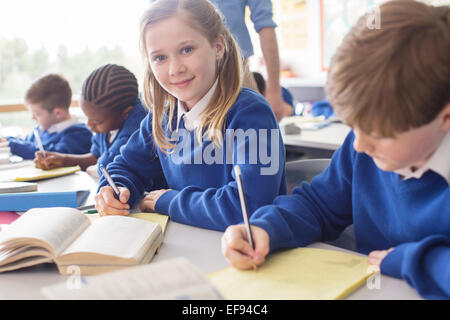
[44, 118]
[409, 149]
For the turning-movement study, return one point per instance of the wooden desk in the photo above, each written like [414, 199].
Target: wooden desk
[200, 246]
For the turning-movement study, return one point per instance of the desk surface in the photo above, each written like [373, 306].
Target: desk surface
[327, 138]
[200, 246]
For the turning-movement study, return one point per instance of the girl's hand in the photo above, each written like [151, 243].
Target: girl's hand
[107, 204]
[237, 250]
[48, 160]
[149, 201]
[376, 257]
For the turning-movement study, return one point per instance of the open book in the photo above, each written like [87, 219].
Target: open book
[175, 278]
[67, 237]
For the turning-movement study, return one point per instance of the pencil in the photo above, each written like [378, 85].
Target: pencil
[110, 181]
[39, 141]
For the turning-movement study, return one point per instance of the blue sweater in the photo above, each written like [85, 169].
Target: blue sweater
[103, 150]
[75, 139]
[411, 215]
[204, 193]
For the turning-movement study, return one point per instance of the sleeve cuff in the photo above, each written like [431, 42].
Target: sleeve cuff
[163, 203]
[392, 263]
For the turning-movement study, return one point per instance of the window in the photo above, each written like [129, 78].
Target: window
[71, 38]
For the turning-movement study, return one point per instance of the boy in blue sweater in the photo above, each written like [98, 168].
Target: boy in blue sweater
[49, 99]
[109, 99]
[391, 176]
[201, 124]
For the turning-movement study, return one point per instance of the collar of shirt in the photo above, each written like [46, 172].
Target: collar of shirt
[112, 135]
[60, 126]
[438, 163]
[192, 118]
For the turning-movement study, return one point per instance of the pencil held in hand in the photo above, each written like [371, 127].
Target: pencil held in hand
[39, 141]
[237, 172]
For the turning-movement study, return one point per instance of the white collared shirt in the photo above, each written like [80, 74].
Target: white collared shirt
[112, 135]
[60, 126]
[439, 162]
[192, 118]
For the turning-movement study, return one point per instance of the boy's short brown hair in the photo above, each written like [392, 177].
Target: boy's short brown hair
[50, 91]
[395, 78]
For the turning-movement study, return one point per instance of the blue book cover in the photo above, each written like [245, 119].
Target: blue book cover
[23, 201]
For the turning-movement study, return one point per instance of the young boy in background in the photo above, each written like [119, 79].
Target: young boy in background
[391, 176]
[49, 99]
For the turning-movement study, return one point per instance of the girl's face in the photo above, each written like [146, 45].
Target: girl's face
[183, 61]
[101, 120]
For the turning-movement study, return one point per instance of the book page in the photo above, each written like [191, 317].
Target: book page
[57, 226]
[118, 236]
[170, 279]
[296, 274]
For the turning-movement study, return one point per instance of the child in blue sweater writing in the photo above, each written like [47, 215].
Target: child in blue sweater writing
[49, 99]
[391, 176]
[109, 99]
[201, 124]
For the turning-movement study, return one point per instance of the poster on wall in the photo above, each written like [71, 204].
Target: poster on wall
[293, 25]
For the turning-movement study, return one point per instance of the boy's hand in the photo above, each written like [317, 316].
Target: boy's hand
[376, 257]
[48, 160]
[107, 204]
[149, 201]
[237, 250]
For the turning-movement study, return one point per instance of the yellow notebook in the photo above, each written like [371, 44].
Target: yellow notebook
[162, 219]
[32, 173]
[296, 274]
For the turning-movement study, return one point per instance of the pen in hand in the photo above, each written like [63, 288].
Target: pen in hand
[110, 181]
[39, 141]
[240, 185]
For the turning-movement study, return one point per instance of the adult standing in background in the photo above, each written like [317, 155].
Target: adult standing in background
[261, 15]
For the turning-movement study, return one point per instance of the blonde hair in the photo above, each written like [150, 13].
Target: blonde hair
[395, 78]
[205, 18]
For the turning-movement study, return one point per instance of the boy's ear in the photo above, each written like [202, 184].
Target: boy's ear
[59, 112]
[445, 114]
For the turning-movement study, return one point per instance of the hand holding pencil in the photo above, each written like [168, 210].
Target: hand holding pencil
[111, 199]
[237, 250]
[244, 246]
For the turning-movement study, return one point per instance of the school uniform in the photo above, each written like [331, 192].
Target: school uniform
[408, 211]
[204, 191]
[105, 146]
[68, 136]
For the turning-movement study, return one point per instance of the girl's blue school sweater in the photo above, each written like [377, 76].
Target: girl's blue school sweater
[204, 193]
[105, 151]
[75, 139]
[412, 215]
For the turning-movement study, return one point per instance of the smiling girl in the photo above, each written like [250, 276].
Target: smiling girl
[201, 124]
